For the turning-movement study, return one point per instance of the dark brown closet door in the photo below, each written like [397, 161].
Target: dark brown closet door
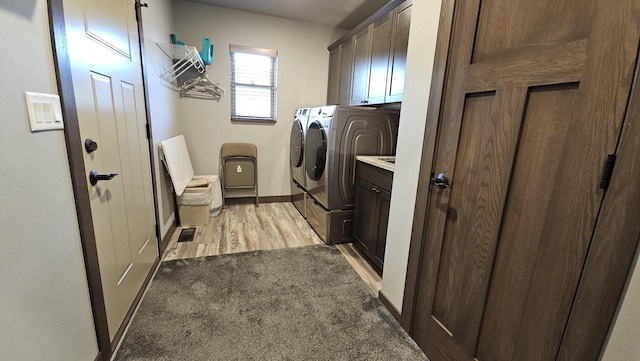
[535, 99]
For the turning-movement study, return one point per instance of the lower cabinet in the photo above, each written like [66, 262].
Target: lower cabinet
[371, 216]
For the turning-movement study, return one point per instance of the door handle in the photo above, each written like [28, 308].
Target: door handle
[441, 181]
[94, 177]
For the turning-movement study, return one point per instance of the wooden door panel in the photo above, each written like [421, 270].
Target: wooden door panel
[612, 250]
[534, 66]
[533, 104]
[361, 66]
[380, 45]
[364, 214]
[477, 114]
[382, 226]
[398, 61]
[489, 134]
[544, 131]
[346, 72]
[333, 90]
[507, 26]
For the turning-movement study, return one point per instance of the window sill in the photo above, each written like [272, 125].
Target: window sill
[253, 120]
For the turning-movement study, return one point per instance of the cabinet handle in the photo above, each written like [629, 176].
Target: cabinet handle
[374, 189]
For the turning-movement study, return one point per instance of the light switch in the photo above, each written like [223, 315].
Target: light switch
[45, 112]
[47, 109]
[37, 109]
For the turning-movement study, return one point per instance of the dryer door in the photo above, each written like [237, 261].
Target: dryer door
[315, 153]
[296, 151]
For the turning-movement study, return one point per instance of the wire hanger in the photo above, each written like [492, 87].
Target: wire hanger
[201, 87]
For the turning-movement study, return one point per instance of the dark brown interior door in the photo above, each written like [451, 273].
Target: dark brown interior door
[535, 98]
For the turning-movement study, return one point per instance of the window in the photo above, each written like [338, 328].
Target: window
[253, 83]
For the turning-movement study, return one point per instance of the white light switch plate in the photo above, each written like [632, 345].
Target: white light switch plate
[44, 110]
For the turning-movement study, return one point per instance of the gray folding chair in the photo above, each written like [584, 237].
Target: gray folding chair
[239, 163]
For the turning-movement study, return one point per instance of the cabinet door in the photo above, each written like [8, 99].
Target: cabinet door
[361, 66]
[380, 51]
[384, 202]
[333, 89]
[346, 71]
[365, 213]
[397, 65]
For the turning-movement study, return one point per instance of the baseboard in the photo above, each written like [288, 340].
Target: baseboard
[132, 309]
[385, 301]
[249, 200]
[167, 237]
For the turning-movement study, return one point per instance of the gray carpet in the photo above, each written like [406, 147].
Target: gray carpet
[291, 304]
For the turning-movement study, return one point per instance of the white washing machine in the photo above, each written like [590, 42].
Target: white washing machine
[296, 159]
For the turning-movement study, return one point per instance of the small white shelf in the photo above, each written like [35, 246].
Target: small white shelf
[184, 57]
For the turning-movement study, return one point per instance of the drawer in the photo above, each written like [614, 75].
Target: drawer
[332, 227]
[382, 178]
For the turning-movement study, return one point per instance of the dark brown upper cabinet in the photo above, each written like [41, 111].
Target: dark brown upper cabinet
[346, 71]
[398, 61]
[379, 63]
[361, 67]
[367, 65]
[333, 91]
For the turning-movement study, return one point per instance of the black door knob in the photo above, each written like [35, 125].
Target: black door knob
[441, 181]
[94, 177]
[90, 145]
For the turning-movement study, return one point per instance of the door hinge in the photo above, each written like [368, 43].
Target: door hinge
[148, 131]
[158, 232]
[141, 4]
[607, 171]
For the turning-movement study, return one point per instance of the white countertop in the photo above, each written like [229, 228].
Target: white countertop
[379, 161]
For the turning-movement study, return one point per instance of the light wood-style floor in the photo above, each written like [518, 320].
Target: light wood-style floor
[245, 227]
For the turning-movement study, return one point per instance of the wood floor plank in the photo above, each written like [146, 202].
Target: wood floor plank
[245, 227]
[363, 268]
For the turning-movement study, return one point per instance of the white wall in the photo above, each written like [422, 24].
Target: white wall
[420, 56]
[624, 340]
[303, 62]
[45, 310]
[157, 22]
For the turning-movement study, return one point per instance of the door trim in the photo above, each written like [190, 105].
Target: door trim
[75, 156]
[147, 111]
[599, 291]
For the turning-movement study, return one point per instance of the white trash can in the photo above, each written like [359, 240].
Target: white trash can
[216, 193]
[194, 206]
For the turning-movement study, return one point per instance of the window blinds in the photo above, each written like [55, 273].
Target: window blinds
[253, 83]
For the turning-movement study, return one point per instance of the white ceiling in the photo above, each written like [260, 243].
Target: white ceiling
[340, 13]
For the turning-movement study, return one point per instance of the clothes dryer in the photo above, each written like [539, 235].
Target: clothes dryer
[335, 136]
